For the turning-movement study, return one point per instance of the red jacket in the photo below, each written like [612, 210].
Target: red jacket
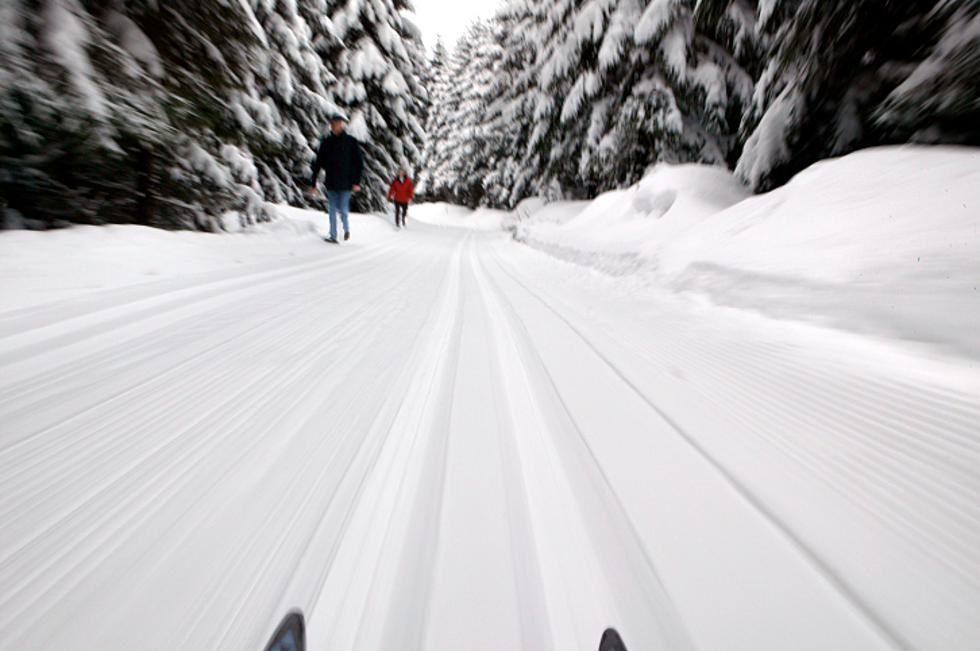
[401, 191]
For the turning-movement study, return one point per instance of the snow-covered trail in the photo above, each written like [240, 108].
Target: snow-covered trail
[451, 441]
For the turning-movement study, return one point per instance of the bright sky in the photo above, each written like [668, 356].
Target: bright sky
[449, 18]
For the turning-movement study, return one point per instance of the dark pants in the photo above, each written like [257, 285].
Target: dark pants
[403, 209]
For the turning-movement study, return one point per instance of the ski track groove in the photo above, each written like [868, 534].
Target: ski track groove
[353, 533]
[346, 537]
[649, 589]
[536, 629]
[415, 563]
[866, 419]
[949, 487]
[60, 315]
[879, 624]
[210, 349]
[104, 502]
[100, 364]
[125, 419]
[217, 410]
[405, 369]
[259, 578]
[950, 521]
[41, 314]
[134, 395]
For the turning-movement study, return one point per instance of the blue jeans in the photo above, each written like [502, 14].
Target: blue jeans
[339, 201]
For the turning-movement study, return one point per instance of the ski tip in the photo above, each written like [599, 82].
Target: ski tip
[611, 641]
[291, 634]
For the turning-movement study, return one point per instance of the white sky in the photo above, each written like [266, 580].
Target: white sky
[449, 18]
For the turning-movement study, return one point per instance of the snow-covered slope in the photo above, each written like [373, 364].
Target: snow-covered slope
[39, 267]
[885, 241]
[444, 214]
[440, 438]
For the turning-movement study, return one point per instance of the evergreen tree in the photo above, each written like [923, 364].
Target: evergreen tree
[847, 75]
[443, 130]
[511, 102]
[176, 113]
[208, 56]
[286, 106]
[939, 99]
[111, 111]
[377, 80]
[69, 98]
[475, 152]
[435, 81]
[643, 81]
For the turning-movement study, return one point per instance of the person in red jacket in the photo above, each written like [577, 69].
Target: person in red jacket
[401, 192]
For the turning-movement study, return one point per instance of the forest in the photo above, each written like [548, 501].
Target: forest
[176, 113]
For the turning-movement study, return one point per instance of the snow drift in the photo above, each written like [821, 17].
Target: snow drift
[883, 241]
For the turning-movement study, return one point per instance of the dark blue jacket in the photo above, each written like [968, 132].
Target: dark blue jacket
[340, 159]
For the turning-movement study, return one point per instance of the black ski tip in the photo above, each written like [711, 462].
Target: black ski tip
[611, 641]
[291, 634]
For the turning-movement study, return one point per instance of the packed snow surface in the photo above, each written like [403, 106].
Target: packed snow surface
[442, 438]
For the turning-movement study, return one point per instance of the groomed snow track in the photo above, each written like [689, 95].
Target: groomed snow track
[451, 441]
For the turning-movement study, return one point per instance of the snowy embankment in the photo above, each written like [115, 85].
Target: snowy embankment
[41, 267]
[884, 241]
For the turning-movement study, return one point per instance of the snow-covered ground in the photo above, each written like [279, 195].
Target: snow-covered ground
[441, 438]
[445, 214]
[883, 241]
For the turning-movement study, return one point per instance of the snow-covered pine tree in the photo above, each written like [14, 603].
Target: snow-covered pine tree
[435, 81]
[624, 84]
[115, 111]
[732, 25]
[73, 106]
[377, 77]
[554, 149]
[444, 135]
[284, 111]
[509, 114]
[208, 54]
[431, 65]
[464, 146]
[846, 75]
[939, 99]
[478, 150]
[419, 83]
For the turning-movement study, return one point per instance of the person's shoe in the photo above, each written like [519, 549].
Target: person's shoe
[331, 240]
[347, 235]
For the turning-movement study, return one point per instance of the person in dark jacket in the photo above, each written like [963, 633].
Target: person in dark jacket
[401, 191]
[340, 158]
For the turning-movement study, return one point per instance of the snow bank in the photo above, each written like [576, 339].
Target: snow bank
[625, 231]
[39, 267]
[884, 241]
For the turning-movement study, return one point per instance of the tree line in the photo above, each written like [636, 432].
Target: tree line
[178, 113]
[569, 98]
